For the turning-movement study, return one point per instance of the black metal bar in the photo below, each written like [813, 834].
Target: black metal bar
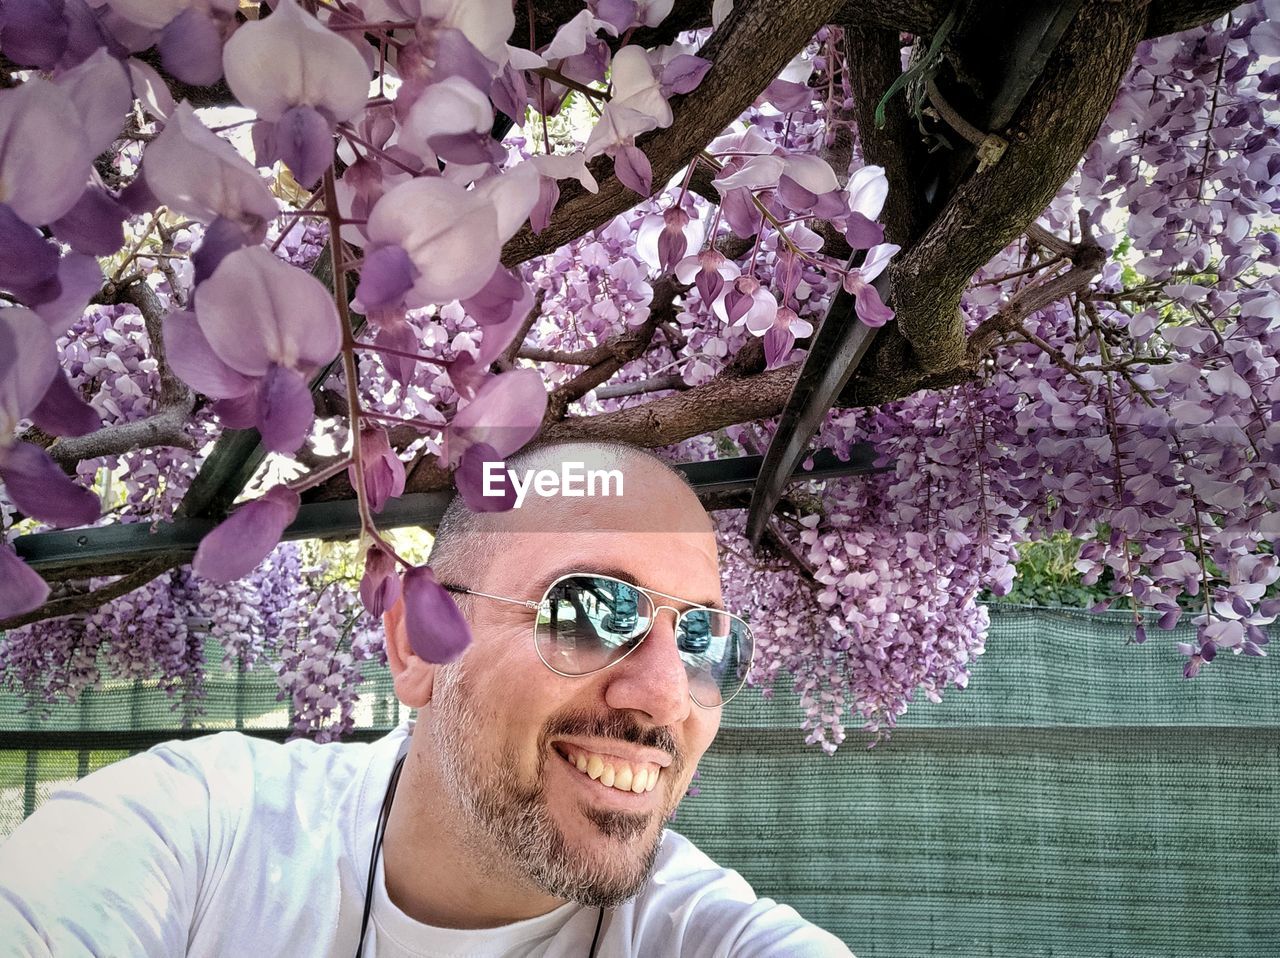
[136, 740]
[836, 351]
[841, 340]
[59, 551]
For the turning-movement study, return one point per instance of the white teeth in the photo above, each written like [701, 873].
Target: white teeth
[622, 776]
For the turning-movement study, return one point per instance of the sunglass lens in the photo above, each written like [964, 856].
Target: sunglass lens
[587, 622]
[716, 649]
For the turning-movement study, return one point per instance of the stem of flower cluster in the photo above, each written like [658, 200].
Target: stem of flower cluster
[374, 347]
[350, 370]
[422, 425]
[379, 153]
[315, 478]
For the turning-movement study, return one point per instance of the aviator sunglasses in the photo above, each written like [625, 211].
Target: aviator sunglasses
[587, 622]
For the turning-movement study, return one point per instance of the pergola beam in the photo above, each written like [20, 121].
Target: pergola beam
[105, 550]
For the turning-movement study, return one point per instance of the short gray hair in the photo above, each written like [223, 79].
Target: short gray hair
[467, 542]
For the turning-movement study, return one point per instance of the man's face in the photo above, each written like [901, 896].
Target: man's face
[510, 732]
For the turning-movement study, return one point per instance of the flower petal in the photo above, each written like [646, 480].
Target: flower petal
[63, 411]
[436, 628]
[386, 276]
[286, 409]
[633, 170]
[222, 238]
[193, 359]
[28, 262]
[34, 33]
[379, 586]
[402, 337]
[191, 48]
[99, 90]
[383, 470]
[877, 259]
[256, 310]
[195, 172]
[871, 308]
[470, 480]
[94, 225]
[235, 547]
[451, 236]
[33, 366]
[291, 59]
[42, 490]
[80, 277]
[21, 588]
[302, 139]
[506, 413]
[867, 188]
[778, 341]
[44, 151]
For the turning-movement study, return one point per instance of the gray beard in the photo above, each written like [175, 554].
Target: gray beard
[514, 819]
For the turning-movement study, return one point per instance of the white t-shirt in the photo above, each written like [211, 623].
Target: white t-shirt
[233, 846]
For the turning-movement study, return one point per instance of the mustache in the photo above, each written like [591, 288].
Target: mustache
[618, 726]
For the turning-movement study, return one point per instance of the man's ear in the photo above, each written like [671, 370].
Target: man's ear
[414, 678]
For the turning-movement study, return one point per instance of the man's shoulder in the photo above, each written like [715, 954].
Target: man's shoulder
[698, 906]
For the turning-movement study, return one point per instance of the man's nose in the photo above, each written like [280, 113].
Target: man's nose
[652, 679]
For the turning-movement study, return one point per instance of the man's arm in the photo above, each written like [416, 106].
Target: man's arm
[110, 865]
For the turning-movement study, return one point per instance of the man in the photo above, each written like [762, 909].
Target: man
[527, 803]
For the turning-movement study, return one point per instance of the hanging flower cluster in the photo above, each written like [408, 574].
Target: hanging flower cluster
[1140, 416]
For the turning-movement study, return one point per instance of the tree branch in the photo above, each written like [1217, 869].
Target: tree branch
[751, 47]
[654, 384]
[619, 350]
[1058, 118]
[88, 601]
[165, 428]
[172, 389]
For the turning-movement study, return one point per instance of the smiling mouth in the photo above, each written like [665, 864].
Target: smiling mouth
[609, 771]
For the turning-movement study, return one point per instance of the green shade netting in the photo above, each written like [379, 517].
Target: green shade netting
[1080, 798]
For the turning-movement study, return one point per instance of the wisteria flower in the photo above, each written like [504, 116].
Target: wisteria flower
[745, 301]
[867, 190]
[431, 241]
[779, 331]
[302, 79]
[190, 33]
[709, 271]
[637, 106]
[436, 628]
[32, 480]
[661, 240]
[506, 414]
[21, 587]
[262, 328]
[382, 469]
[453, 121]
[551, 168]
[868, 305]
[235, 546]
[195, 172]
[380, 585]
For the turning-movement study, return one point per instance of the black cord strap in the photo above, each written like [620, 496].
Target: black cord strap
[387, 799]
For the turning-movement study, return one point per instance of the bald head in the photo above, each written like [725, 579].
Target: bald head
[634, 492]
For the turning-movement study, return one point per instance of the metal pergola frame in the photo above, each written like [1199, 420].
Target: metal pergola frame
[721, 484]
[754, 482]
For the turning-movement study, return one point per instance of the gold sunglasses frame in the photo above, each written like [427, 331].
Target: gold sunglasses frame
[649, 593]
